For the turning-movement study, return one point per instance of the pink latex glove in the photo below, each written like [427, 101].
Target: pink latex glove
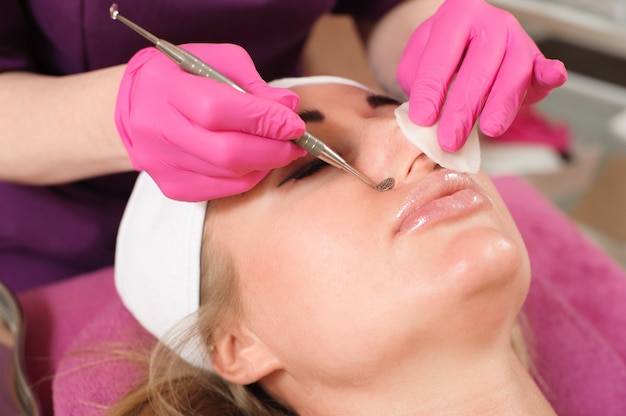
[200, 139]
[499, 69]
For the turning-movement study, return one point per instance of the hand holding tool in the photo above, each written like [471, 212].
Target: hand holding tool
[194, 65]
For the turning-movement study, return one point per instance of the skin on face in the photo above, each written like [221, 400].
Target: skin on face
[340, 289]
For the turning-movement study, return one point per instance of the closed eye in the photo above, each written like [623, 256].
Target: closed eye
[304, 171]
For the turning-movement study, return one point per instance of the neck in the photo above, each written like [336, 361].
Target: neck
[488, 386]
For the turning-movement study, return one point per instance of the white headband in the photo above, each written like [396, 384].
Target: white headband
[318, 79]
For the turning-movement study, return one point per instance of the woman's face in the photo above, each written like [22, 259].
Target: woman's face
[343, 282]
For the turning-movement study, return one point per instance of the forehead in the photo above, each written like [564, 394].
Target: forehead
[331, 95]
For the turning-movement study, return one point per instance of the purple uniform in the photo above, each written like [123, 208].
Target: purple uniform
[48, 233]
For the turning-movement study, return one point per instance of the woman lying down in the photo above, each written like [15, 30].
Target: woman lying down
[313, 294]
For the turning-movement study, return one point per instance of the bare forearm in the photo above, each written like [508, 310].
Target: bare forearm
[386, 40]
[59, 129]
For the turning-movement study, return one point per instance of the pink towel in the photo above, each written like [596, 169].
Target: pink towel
[54, 315]
[84, 389]
[530, 126]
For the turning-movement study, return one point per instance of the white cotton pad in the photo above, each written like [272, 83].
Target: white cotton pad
[466, 160]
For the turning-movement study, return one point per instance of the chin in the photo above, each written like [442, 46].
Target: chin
[489, 277]
[486, 259]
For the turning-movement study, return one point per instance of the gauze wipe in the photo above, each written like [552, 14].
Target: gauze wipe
[466, 159]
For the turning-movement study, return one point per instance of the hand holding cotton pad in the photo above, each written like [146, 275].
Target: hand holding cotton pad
[466, 159]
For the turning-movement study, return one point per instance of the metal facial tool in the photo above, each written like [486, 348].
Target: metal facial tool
[192, 64]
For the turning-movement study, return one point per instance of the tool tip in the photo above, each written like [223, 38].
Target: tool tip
[385, 185]
[114, 11]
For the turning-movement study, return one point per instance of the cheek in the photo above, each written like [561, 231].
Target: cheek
[299, 276]
[315, 295]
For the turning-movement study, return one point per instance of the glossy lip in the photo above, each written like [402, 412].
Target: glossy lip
[440, 196]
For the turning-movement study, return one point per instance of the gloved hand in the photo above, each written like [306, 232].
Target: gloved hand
[499, 69]
[200, 139]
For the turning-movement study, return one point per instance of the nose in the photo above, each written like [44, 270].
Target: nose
[384, 152]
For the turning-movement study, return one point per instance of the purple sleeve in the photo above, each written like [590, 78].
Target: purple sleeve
[365, 8]
[13, 47]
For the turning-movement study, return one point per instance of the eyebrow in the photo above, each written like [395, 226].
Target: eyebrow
[377, 100]
[309, 116]
[374, 101]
